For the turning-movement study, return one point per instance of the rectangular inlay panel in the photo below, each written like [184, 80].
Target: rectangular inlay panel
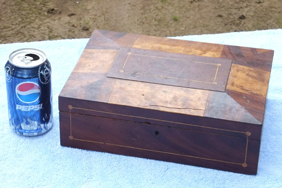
[171, 69]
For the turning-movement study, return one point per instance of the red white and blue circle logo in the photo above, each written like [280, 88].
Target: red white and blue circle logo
[28, 92]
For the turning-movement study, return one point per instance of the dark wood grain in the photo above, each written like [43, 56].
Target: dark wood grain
[105, 107]
[255, 58]
[159, 142]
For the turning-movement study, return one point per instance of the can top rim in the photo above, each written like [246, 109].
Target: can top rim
[29, 50]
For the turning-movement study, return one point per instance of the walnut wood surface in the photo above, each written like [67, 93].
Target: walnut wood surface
[199, 122]
[247, 83]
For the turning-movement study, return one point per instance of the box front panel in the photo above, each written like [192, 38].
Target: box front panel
[159, 142]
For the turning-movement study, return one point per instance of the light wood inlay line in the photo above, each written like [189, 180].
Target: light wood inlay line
[129, 53]
[218, 65]
[246, 152]
[70, 124]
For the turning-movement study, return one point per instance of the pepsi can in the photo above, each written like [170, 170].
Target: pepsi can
[29, 94]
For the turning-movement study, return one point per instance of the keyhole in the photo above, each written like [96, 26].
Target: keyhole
[157, 133]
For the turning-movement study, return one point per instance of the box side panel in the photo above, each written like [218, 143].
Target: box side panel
[160, 142]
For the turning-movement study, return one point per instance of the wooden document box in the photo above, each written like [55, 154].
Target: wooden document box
[180, 101]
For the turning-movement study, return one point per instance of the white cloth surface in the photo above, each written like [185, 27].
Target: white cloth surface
[42, 162]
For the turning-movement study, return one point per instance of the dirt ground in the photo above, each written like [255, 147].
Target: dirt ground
[35, 20]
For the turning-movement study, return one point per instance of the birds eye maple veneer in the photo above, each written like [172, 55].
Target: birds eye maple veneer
[180, 101]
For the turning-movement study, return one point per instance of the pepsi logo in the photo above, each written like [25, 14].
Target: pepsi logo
[28, 92]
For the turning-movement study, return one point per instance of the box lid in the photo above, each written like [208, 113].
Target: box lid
[172, 76]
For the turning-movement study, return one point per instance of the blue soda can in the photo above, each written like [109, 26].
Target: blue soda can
[29, 94]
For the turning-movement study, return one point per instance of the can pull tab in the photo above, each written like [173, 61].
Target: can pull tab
[28, 58]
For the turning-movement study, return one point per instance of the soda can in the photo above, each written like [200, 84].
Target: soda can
[29, 94]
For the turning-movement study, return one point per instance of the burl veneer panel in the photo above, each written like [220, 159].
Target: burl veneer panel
[178, 46]
[143, 95]
[181, 101]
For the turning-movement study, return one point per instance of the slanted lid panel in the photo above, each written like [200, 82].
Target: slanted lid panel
[101, 39]
[222, 106]
[88, 80]
[121, 39]
[249, 78]
[159, 97]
